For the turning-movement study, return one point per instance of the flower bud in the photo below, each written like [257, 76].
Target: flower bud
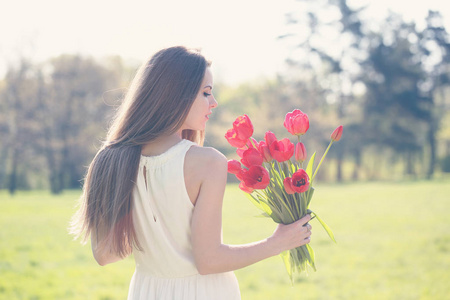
[300, 152]
[337, 133]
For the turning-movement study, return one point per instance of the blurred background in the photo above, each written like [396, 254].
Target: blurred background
[380, 68]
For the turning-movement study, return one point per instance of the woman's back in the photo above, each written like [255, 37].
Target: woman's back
[175, 217]
[162, 213]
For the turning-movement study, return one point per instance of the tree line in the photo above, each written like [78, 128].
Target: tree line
[388, 86]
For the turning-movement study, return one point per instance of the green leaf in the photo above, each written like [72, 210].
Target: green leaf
[286, 257]
[254, 200]
[312, 256]
[266, 208]
[272, 212]
[309, 195]
[263, 215]
[293, 169]
[309, 167]
[326, 227]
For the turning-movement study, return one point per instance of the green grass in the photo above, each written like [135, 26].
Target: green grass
[393, 243]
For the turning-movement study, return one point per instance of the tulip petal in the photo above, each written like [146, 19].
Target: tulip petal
[287, 182]
[337, 133]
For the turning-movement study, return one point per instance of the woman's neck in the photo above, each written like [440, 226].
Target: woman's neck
[161, 144]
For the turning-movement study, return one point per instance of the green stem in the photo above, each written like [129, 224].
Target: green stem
[285, 205]
[298, 199]
[251, 142]
[280, 170]
[299, 164]
[320, 163]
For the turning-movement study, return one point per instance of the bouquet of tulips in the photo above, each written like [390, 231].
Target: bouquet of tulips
[271, 173]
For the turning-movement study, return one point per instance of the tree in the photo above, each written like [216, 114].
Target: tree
[18, 125]
[51, 116]
[331, 53]
[434, 45]
[402, 82]
[72, 115]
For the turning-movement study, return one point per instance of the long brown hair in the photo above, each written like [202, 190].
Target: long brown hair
[157, 103]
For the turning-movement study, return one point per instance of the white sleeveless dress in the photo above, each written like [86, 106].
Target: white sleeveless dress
[162, 213]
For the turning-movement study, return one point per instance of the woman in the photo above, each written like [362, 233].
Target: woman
[154, 191]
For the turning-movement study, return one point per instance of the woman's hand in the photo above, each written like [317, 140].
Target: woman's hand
[211, 255]
[293, 235]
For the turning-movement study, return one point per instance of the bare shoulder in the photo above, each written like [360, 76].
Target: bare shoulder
[205, 157]
[203, 165]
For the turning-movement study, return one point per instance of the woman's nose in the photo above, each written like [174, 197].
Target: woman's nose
[213, 103]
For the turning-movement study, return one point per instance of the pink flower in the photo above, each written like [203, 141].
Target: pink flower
[337, 133]
[233, 139]
[240, 174]
[265, 152]
[281, 150]
[270, 138]
[251, 157]
[234, 167]
[243, 127]
[296, 122]
[300, 152]
[256, 177]
[245, 188]
[248, 145]
[299, 182]
[287, 182]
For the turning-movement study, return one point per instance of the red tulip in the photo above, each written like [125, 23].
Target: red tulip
[270, 138]
[251, 157]
[256, 177]
[252, 143]
[337, 133]
[300, 181]
[240, 174]
[300, 152]
[245, 188]
[233, 139]
[243, 127]
[282, 150]
[296, 122]
[234, 167]
[248, 145]
[240, 152]
[264, 151]
[287, 182]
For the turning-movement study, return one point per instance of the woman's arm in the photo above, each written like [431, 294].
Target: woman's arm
[210, 254]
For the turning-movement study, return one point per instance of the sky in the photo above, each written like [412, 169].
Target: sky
[239, 36]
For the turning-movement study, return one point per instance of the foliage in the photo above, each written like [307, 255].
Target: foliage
[388, 83]
[393, 74]
[445, 164]
[393, 243]
[52, 116]
[274, 178]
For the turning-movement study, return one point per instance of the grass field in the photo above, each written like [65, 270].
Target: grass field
[393, 243]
